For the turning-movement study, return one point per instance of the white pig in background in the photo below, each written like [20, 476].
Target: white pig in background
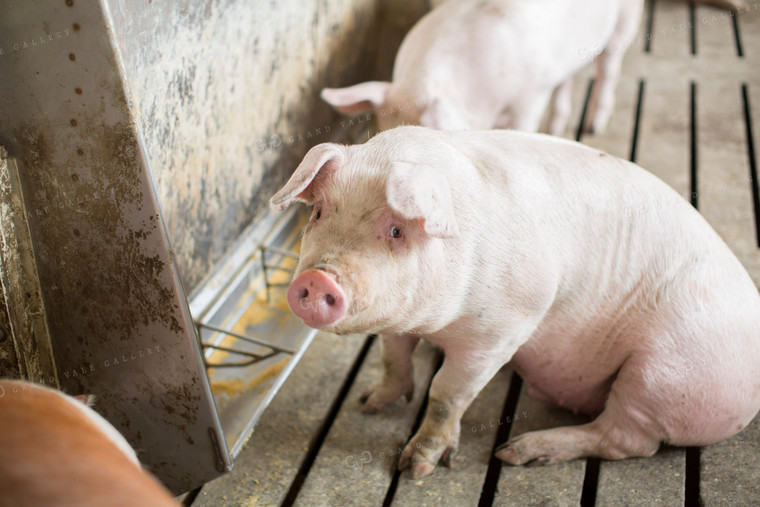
[480, 64]
[605, 289]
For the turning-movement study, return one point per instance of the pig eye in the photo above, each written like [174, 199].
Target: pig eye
[318, 214]
[396, 232]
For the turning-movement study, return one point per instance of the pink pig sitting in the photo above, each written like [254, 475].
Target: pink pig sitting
[607, 292]
[480, 64]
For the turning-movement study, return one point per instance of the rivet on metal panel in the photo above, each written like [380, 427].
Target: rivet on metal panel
[78, 91]
[72, 56]
[76, 27]
[73, 122]
[70, 3]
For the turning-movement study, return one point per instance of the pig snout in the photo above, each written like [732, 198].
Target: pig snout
[317, 298]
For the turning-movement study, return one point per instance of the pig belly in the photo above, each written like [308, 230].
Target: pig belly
[569, 379]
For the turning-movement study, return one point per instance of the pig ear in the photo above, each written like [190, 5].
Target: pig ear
[441, 116]
[418, 192]
[87, 399]
[320, 161]
[357, 99]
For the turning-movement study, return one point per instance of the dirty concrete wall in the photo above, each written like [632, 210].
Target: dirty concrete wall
[227, 93]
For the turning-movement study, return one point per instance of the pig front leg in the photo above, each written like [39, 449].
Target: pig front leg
[398, 378]
[460, 379]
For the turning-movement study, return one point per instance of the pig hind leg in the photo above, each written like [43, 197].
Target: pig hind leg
[602, 100]
[624, 429]
[561, 107]
[398, 373]
[608, 66]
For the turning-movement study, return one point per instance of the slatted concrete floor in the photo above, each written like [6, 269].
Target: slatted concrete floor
[688, 109]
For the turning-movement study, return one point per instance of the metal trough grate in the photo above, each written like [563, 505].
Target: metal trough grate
[251, 341]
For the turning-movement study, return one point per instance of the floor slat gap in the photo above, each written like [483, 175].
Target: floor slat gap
[488, 492]
[637, 121]
[751, 155]
[692, 477]
[693, 197]
[737, 36]
[417, 422]
[650, 27]
[693, 27]
[190, 496]
[590, 482]
[584, 112]
[319, 439]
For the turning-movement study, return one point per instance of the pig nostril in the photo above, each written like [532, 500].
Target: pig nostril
[303, 294]
[329, 299]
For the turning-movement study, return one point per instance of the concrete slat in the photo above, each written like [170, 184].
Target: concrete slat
[461, 484]
[265, 469]
[725, 193]
[359, 455]
[748, 20]
[559, 484]
[658, 480]
[715, 34]
[664, 139]
[671, 32]
[731, 469]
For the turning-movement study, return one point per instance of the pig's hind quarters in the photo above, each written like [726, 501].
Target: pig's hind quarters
[627, 427]
[650, 402]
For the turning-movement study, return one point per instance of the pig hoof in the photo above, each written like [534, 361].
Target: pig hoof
[538, 462]
[514, 453]
[448, 455]
[421, 469]
[371, 407]
[377, 398]
[418, 466]
[538, 448]
[595, 128]
[508, 454]
[422, 460]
